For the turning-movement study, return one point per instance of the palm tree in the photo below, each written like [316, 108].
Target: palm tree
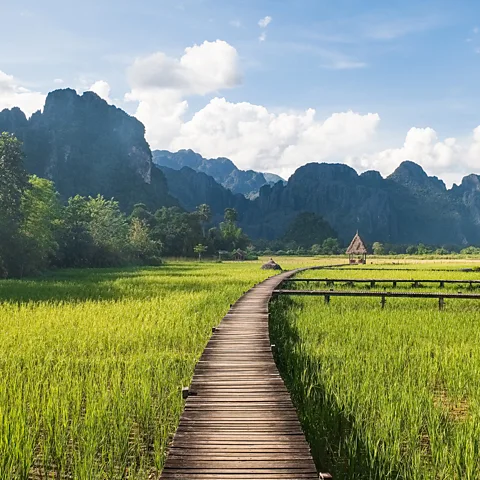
[205, 215]
[230, 215]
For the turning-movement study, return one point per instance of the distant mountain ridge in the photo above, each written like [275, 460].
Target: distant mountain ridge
[89, 147]
[223, 170]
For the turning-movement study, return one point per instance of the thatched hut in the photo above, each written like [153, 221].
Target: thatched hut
[271, 265]
[357, 251]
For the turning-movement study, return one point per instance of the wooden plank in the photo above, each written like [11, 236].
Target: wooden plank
[239, 421]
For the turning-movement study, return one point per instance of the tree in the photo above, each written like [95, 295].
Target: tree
[109, 230]
[200, 249]
[42, 217]
[178, 231]
[141, 212]
[330, 246]
[95, 233]
[378, 248]
[205, 215]
[411, 250]
[232, 236]
[13, 182]
[230, 215]
[423, 250]
[470, 251]
[143, 248]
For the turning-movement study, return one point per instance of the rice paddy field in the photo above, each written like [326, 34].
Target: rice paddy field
[92, 363]
[385, 393]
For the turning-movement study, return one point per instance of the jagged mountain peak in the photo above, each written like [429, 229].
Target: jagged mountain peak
[223, 170]
[410, 174]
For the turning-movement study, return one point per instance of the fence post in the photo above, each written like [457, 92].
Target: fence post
[384, 301]
[441, 303]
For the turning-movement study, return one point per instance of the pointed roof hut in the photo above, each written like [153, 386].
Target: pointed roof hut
[357, 251]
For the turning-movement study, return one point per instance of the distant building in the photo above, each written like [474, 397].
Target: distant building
[357, 251]
[239, 255]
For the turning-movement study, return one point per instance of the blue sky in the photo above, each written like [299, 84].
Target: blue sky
[412, 64]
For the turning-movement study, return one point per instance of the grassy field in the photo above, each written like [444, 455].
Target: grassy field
[391, 393]
[92, 363]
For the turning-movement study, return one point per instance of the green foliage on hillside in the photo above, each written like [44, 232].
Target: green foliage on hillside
[308, 229]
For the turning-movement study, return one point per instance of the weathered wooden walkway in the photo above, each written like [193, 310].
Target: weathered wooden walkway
[239, 421]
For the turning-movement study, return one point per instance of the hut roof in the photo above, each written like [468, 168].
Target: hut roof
[271, 265]
[356, 247]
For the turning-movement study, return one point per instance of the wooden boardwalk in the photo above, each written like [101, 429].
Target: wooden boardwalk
[239, 421]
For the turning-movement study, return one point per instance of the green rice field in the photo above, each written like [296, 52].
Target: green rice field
[392, 393]
[92, 363]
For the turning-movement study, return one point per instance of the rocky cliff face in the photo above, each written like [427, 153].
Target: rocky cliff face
[336, 192]
[193, 188]
[88, 147]
[223, 170]
[407, 207]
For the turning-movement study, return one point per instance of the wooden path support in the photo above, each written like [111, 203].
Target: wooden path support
[327, 294]
[374, 281]
[239, 421]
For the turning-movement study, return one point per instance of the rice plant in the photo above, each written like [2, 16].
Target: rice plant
[92, 363]
[392, 393]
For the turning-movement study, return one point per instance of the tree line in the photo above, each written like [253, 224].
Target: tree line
[39, 231]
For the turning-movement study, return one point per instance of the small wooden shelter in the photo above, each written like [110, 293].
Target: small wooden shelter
[357, 251]
[239, 255]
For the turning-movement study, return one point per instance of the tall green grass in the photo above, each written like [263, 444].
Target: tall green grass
[92, 363]
[391, 393]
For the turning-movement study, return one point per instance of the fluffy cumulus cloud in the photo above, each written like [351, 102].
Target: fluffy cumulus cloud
[250, 135]
[102, 89]
[254, 137]
[449, 158]
[160, 83]
[12, 94]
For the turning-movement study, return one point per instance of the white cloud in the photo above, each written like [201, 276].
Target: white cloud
[262, 37]
[58, 81]
[102, 89]
[160, 84]
[202, 69]
[448, 159]
[235, 23]
[265, 22]
[255, 138]
[344, 64]
[14, 95]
